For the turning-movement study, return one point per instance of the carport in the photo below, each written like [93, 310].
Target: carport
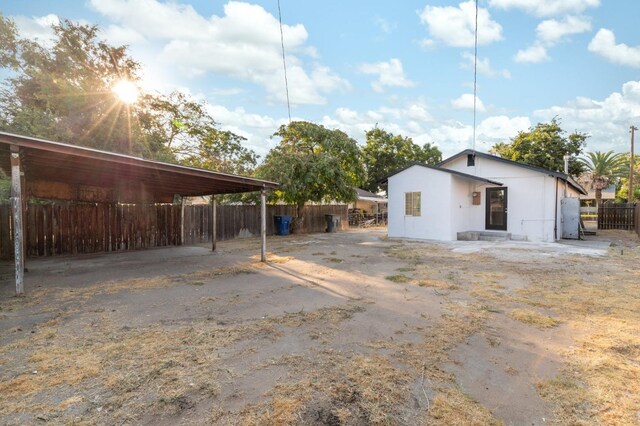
[58, 171]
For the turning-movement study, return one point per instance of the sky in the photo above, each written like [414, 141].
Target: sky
[405, 66]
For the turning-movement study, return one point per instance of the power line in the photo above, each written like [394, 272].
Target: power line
[284, 63]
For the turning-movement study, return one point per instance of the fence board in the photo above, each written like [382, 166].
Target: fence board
[617, 216]
[57, 228]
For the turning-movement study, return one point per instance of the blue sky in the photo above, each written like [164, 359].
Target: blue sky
[406, 66]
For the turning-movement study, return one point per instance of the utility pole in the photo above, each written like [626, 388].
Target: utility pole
[630, 195]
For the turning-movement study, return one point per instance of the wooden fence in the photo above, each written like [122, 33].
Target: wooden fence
[637, 220]
[72, 228]
[617, 216]
[244, 220]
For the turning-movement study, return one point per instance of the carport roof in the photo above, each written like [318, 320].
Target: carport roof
[60, 162]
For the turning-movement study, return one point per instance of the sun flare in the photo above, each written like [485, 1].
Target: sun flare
[126, 91]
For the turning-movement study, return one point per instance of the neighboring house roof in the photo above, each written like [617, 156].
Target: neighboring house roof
[364, 195]
[439, 169]
[609, 193]
[559, 175]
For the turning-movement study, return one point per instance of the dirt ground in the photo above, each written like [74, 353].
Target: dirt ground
[337, 329]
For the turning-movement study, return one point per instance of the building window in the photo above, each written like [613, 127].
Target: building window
[412, 203]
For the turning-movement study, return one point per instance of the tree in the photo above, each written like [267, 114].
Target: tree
[222, 151]
[544, 146]
[385, 152]
[602, 169]
[313, 163]
[64, 92]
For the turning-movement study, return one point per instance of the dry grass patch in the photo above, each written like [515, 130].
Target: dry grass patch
[345, 388]
[398, 278]
[115, 374]
[601, 382]
[453, 407]
[438, 284]
[336, 389]
[531, 317]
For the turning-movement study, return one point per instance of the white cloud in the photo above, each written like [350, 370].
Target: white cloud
[410, 120]
[243, 43]
[455, 26]
[532, 54]
[115, 34]
[427, 43]
[607, 120]
[546, 7]
[232, 91]
[502, 128]
[604, 44]
[484, 66]
[551, 31]
[453, 136]
[414, 121]
[466, 102]
[256, 128]
[37, 28]
[390, 74]
[385, 26]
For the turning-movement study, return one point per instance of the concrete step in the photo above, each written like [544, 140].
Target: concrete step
[484, 236]
[489, 238]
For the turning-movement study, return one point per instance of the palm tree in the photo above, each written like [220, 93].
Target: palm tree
[602, 170]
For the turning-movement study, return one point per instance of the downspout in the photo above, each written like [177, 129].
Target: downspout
[555, 219]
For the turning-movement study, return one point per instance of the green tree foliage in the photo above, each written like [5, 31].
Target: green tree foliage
[601, 170]
[544, 146]
[622, 180]
[385, 152]
[222, 151]
[63, 92]
[313, 163]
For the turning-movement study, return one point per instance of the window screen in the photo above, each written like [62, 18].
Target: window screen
[412, 203]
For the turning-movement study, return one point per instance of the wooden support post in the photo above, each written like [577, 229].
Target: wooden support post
[16, 207]
[214, 206]
[182, 221]
[263, 226]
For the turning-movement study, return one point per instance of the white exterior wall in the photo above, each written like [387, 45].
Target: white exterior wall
[531, 198]
[463, 213]
[435, 221]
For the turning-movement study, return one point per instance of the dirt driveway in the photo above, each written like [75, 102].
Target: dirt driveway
[349, 328]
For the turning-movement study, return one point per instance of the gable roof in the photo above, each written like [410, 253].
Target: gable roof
[439, 169]
[559, 175]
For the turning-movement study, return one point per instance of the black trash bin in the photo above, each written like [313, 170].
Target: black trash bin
[332, 222]
[282, 223]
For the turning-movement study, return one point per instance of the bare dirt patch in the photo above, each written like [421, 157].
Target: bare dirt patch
[343, 329]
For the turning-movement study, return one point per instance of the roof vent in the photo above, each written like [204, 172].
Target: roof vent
[471, 160]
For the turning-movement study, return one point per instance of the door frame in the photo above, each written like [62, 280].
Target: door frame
[487, 214]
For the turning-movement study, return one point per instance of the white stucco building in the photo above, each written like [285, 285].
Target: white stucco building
[478, 192]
